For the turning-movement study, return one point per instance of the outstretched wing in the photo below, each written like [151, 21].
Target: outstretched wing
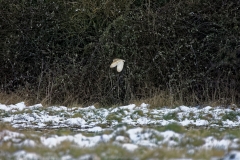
[120, 65]
[114, 63]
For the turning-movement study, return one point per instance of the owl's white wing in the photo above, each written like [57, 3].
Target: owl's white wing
[120, 65]
[114, 64]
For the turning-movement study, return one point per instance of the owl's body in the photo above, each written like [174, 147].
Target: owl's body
[119, 63]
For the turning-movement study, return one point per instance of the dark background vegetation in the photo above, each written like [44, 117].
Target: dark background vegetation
[59, 52]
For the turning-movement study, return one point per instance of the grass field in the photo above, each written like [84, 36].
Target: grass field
[124, 132]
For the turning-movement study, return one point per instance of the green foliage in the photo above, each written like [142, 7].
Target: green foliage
[60, 52]
[175, 127]
[113, 117]
[232, 116]
[169, 116]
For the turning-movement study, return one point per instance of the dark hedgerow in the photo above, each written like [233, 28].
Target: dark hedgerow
[60, 51]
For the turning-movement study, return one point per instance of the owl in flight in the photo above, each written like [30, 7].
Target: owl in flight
[119, 63]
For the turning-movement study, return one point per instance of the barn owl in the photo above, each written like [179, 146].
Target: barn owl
[119, 63]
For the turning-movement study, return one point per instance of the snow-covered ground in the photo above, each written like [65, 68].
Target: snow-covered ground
[130, 127]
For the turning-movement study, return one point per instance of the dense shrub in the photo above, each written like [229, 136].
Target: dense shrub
[60, 51]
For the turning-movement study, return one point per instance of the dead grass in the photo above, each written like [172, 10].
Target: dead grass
[166, 99]
[157, 99]
[5, 126]
[11, 98]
